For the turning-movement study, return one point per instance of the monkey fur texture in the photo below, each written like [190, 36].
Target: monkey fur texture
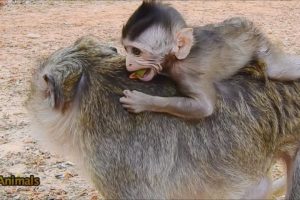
[74, 104]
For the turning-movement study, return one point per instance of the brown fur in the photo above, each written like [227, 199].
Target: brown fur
[152, 155]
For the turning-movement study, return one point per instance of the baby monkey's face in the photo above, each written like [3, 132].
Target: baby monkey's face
[147, 53]
[142, 62]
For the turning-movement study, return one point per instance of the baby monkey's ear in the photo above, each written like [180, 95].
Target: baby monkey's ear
[184, 42]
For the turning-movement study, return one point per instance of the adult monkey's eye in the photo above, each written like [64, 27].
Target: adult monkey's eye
[135, 51]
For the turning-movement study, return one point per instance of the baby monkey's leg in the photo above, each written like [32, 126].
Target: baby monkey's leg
[283, 67]
[185, 107]
[280, 66]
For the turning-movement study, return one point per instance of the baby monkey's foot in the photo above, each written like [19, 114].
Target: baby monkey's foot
[135, 101]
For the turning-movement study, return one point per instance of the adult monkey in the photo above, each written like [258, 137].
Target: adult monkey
[74, 102]
[158, 40]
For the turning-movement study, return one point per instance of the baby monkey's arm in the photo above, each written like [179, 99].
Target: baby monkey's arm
[197, 107]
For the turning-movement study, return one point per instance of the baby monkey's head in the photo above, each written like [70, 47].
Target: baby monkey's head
[153, 32]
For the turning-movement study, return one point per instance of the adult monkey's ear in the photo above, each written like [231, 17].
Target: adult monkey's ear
[184, 42]
[52, 92]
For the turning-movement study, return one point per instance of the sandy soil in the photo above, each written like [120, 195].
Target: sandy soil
[31, 30]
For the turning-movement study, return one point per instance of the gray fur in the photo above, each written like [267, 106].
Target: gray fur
[294, 192]
[157, 156]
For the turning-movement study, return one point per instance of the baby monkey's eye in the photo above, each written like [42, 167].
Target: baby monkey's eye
[135, 51]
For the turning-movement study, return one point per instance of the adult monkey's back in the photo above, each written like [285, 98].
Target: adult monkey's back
[74, 102]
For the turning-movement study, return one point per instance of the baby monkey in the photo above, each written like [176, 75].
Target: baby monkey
[158, 41]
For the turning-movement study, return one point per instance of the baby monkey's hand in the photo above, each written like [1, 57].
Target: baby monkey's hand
[135, 101]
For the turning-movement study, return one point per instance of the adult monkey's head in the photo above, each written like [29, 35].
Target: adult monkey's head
[154, 31]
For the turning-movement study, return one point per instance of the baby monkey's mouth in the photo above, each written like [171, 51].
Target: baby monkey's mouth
[143, 74]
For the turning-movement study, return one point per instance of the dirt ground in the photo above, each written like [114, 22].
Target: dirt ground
[30, 30]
